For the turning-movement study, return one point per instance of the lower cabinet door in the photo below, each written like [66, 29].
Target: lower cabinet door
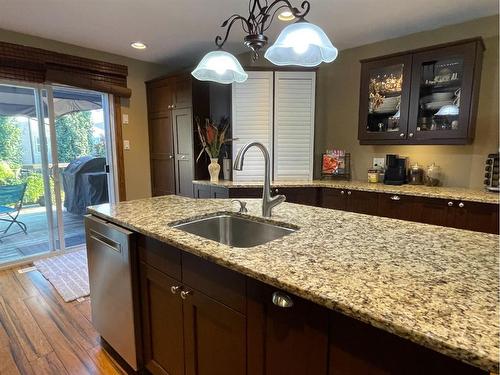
[479, 217]
[285, 340]
[362, 202]
[334, 198]
[214, 337]
[162, 323]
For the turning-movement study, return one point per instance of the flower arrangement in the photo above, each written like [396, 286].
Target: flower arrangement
[212, 137]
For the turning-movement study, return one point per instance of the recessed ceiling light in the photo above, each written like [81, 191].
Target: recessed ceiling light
[138, 45]
[286, 16]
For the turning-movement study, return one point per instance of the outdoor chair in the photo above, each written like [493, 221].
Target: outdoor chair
[11, 202]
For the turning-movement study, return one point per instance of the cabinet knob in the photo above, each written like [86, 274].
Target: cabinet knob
[461, 205]
[342, 192]
[450, 203]
[349, 192]
[402, 135]
[170, 156]
[169, 106]
[396, 198]
[282, 300]
[276, 191]
[173, 106]
[410, 135]
[175, 289]
[186, 293]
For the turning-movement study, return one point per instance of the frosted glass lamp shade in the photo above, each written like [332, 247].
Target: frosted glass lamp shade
[448, 110]
[302, 44]
[220, 66]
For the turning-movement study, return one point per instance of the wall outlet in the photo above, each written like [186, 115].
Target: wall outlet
[378, 162]
[126, 144]
[125, 119]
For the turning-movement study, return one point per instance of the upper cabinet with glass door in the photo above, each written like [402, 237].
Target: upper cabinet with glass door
[442, 97]
[384, 98]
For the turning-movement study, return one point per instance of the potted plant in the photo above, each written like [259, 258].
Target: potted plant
[213, 137]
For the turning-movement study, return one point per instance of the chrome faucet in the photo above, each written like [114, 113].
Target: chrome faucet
[268, 202]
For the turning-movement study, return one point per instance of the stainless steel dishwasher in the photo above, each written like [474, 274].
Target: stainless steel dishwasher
[109, 251]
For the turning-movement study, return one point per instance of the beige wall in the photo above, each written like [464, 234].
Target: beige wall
[338, 100]
[137, 173]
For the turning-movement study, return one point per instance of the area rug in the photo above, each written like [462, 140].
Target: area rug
[68, 273]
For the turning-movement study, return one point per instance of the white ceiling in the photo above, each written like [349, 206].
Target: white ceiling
[178, 32]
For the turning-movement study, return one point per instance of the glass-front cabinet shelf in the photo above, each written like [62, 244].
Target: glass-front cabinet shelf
[427, 96]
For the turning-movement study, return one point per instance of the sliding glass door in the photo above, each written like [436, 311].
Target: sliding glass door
[55, 159]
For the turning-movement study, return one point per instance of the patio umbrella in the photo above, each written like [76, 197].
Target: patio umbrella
[20, 101]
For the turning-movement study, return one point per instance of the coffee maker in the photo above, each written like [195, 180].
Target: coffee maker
[395, 170]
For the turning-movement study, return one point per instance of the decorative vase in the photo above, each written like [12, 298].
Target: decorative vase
[214, 169]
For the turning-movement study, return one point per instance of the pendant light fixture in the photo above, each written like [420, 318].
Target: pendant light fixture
[301, 43]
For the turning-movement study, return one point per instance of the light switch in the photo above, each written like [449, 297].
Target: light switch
[126, 144]
[125, 119]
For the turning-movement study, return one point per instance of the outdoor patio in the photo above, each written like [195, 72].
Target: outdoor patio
[21, 245]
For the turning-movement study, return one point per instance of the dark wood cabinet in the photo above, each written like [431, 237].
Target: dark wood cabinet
[214, 337]
[285, 340]
[362, 202]
[196, 325]
[162, 323]
[356, 348]
[424, 96]
[216, 321]
[173, 104]
[308, 196]
[475, 216]
[334, 199]
[398, 206]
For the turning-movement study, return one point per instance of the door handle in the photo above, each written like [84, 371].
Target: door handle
[113, 245]
[396, 198]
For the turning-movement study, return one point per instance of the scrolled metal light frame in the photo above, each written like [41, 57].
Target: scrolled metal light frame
[259, 20]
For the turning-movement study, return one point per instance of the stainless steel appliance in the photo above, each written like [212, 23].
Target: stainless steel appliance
[109, 248]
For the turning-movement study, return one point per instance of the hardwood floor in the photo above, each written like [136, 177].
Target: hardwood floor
[41, 334]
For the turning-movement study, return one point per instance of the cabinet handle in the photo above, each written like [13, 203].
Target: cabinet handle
[186, 293]
[402, 135]
[410, 135]
[173, 106]
[349, 192]
[450, 203]
[169, 106]
[175, 289]
[170, 156]
[461, 205]
[396, 198]
[342, 192]
[282, 300]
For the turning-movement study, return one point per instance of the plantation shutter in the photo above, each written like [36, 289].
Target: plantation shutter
[294, 125]
[252, 111]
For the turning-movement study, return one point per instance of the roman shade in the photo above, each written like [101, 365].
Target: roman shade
[22, 63]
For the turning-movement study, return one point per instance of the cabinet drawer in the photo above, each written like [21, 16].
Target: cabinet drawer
[245, 193]
[397, 206]
[161, 256]
[219, 283]
[305, 195]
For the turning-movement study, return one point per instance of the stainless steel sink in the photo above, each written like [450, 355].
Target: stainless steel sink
[234, 230]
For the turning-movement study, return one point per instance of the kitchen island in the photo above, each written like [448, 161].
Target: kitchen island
[435, 287]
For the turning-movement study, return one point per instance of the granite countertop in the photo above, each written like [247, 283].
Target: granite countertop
[472, 195]
[435, 286]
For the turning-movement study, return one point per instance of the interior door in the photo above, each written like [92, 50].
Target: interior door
[182, 120]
